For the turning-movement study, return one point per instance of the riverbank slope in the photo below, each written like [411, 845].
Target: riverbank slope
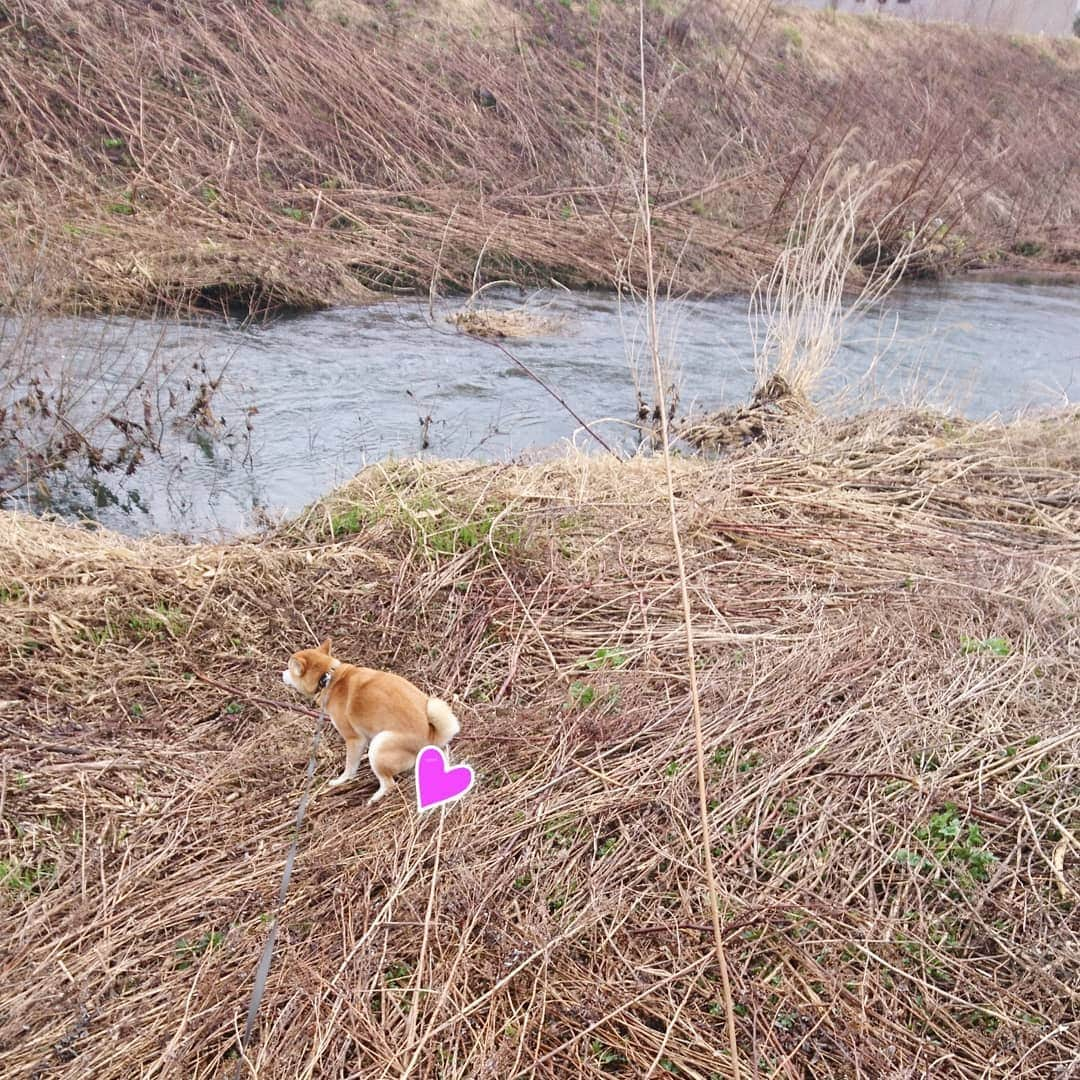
[885, 612]
[251, 156]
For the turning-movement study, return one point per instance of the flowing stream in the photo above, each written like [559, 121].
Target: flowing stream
[303, 403]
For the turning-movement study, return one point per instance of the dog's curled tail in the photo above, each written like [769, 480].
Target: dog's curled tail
[444, 724]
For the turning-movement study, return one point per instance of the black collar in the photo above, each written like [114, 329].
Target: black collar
[327, 677]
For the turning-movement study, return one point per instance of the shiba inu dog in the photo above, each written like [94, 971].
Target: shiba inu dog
[373, 710]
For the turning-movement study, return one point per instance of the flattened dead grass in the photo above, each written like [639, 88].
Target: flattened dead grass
[493, 322]
[885, 613]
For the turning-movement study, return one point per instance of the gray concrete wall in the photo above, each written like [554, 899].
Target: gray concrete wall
[1016, 16]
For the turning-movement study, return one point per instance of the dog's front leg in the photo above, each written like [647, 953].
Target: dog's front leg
[354, 751]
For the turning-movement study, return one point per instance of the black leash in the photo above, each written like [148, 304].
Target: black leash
[263, 970]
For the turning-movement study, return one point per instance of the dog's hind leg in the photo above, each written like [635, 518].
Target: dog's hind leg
[354, 751]
[389, 755]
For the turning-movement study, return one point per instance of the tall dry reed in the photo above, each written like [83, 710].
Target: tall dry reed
[832, 270]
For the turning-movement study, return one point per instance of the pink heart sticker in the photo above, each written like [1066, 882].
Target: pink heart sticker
[436, 783]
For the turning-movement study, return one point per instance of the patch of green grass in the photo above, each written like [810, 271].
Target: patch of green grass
[917, 955]
[556, 901]
[187, 952]
[913, 859]
[1027, 248]
[350, 521]
[722, 755]
[460, 537]
[124, 206]
[1032, 783]
[397, 975]
[980, 1020]
[572, 522]
[607, 847]
[418, 206]
[792, 37]
[604, 1055]
[998, 646]
[562, 832]
[293, 212]
[950, 845]
[441, 530]
[484, 691]
[786, 1020]
[605, 657]
[162, 618]
[10, 593]
[582, 694]
[97, 635]
[925, 761]
[25, 879]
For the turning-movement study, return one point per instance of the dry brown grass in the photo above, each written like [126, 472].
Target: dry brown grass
[246, 156]
[847, 583]
[500, 323]
[773, 406]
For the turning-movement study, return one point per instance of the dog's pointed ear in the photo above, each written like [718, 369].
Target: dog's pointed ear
[325, 647]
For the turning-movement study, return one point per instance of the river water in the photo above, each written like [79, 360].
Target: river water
[303, 403]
